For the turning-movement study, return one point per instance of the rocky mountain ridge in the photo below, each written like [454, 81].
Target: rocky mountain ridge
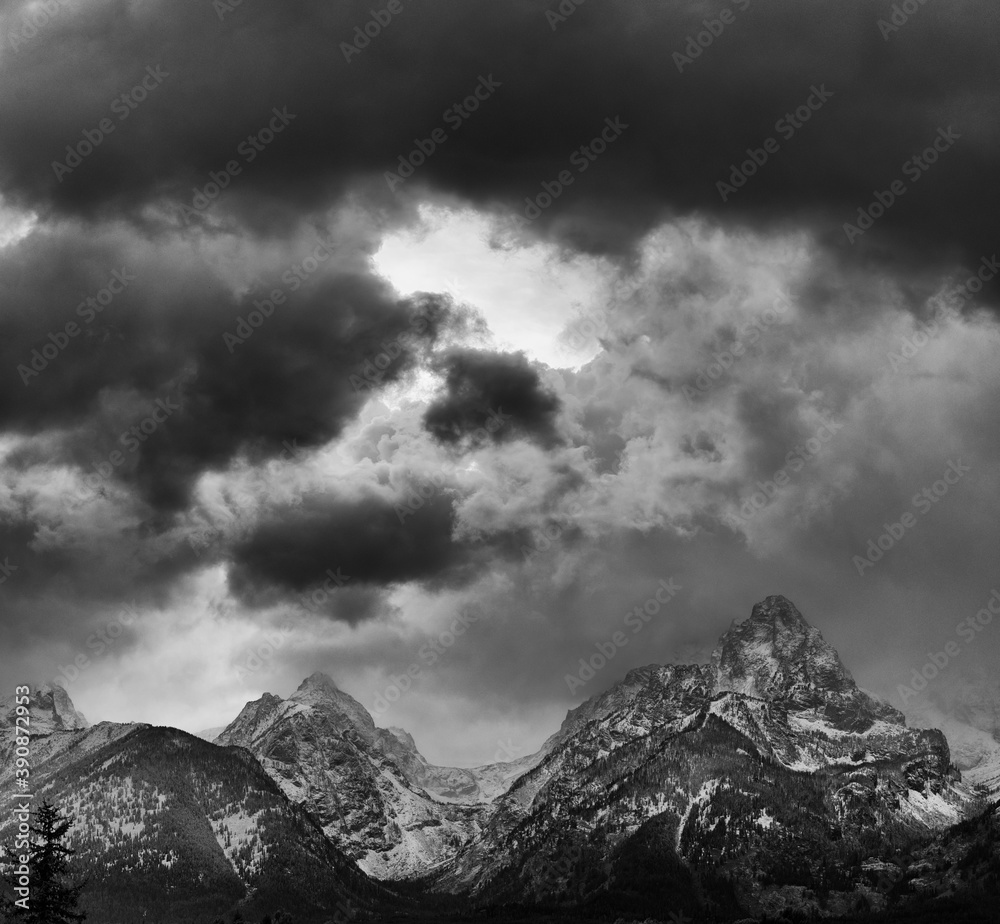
[373, 792]
[762, 783]
[714, 762]
[169, 828]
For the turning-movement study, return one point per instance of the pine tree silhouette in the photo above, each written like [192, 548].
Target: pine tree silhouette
[53, 899]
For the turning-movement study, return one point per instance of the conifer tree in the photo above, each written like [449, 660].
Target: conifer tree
[53, 898]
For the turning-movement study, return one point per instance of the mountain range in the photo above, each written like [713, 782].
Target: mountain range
[763, 783]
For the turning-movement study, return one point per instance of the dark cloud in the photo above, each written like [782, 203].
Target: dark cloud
[198, 374]
[625, 485]
[891, 93]
[492, 396]
[368, 541]
[599, 424]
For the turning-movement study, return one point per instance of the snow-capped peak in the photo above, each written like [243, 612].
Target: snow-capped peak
[51, 710]
[777, 655]
[775, 651]
[319, 681]
[318, 691]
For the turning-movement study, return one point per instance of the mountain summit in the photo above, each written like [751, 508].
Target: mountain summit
[768, 763]
[51, 711]
[319, 681]
[371, 790]
[777, 655]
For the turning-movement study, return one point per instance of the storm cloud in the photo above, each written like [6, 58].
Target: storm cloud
[887, 86]
[212, 400]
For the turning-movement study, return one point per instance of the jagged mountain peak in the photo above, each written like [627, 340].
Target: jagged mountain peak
[319, 681]
[401, 734]
[318, 691]
[778, 610]
[776, 651]
[51, 710]
[777, 655]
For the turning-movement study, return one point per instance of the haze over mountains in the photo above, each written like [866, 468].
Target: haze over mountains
[763, 782]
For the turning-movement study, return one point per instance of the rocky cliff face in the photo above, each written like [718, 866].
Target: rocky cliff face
[375, 795]
[775, 689]
[768, 753]
[51, 711]
[777, 655]
[966, 707]
[761, 783]
[168, 827]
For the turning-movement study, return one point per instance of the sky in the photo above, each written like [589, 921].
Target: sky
[439, 346]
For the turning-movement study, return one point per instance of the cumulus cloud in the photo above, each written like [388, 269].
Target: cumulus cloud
[211, 394]
[352, 122]
[491, 396]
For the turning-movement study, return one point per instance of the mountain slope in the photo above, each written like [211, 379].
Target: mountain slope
[777, 655]
[50, 709]
[171, 828]
[975, 747]
[768, 766]
[371, 790]
[764, 783]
